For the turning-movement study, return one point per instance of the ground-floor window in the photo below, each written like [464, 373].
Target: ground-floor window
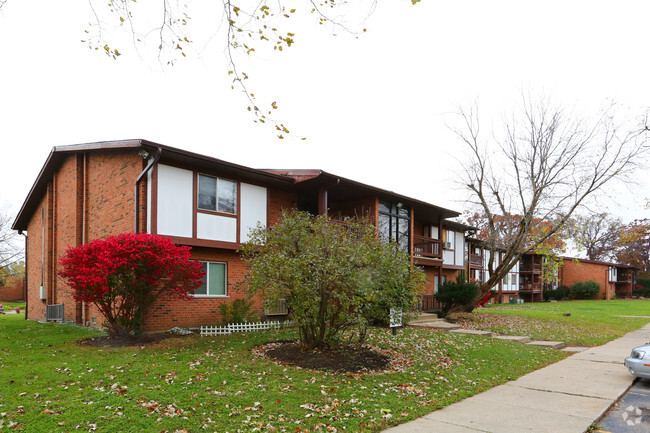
[214, 282]
[436, 283]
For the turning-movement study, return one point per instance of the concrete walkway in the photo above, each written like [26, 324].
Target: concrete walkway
[568, 396]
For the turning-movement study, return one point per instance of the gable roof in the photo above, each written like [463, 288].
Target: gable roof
[297, 180]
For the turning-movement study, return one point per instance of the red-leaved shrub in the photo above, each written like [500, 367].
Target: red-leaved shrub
[124, 275]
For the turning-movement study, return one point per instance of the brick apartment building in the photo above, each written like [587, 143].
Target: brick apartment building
[89, 191]
[614, 279]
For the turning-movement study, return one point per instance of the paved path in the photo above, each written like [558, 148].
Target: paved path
[568, 396]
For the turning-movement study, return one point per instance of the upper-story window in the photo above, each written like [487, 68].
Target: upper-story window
[395, 224]
[449, 237]
[217, 194]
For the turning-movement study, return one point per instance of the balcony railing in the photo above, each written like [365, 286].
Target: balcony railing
[535, 268]
[531, 288]
[476, 260]
[427, 247]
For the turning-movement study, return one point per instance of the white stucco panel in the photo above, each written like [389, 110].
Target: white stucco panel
[175, 187]
[216, 227]
[252, 209]
[460, 248]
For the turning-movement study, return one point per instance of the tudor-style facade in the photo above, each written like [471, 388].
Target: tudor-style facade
[85, 192]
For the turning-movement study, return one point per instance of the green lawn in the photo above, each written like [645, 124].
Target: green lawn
[591, 323]
[50, 384]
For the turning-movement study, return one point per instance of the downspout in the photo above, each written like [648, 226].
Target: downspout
[151, 163]
[20, 232]
[323, 192]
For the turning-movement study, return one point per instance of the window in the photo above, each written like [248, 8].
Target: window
[214, 282]
[395, 224]
[436, 283]
[217, 194]
[450, 237]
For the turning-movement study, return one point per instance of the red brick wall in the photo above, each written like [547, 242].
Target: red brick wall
[110, 193]
[574, 271]
[12, 290]
[170, 312]
[277, 201]
[34, 265]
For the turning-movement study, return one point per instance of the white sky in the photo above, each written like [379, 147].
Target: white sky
[373, 108]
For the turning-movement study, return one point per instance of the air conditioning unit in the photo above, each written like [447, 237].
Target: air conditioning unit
[446, 245]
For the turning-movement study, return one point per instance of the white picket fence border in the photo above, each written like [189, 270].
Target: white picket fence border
[243, 327]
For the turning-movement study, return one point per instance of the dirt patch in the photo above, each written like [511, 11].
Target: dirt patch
[135, 340]
[346, 359]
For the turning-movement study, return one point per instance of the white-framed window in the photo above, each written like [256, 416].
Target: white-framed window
[215, 280]
[217, 194]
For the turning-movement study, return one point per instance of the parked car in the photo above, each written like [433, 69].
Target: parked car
[638, 363]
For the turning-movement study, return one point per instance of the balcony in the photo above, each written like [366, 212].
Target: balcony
[531, 288]
[427, 247]
[476, 260]
[535, 268]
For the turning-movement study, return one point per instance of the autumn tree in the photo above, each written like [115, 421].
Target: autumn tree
[10, 252]
[596, 233]
[539, 168]
[333, 276]
[634, 246]
[125, 275]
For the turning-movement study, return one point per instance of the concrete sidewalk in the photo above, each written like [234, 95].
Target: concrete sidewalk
[568, 396]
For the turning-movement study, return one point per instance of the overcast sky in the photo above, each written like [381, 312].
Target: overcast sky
[373, 109]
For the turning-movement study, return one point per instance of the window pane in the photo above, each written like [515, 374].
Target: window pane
[203, 289]
[384, 207]
[217, 279]
[227, 196]
[207, 192]
[384, 227]
[403, 235]
[404, 212]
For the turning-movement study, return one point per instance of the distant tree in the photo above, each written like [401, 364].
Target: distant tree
[634, 246]
[543, 165]
[124, 275]
[333, 276]
[10, 252]
[597, 233]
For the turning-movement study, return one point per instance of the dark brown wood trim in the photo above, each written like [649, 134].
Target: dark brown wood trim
[238, 216]
[204, 243]
[154, 199]
[213, 212]
[195, 202]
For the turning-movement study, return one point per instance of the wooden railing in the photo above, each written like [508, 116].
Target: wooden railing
[429, 303]
[476, 260]
[531, 288]
[427, 247]
[535, 268]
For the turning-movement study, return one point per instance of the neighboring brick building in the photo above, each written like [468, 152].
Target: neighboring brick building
[12, 290]
[614, 279]
[89, 191]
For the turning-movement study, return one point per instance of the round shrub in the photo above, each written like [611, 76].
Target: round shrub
[585, 290]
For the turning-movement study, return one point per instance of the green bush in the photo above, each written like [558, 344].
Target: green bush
[585, 290]
[334, 277]
[237, 311]
[558, 294]
[643, 282]
[458, 293]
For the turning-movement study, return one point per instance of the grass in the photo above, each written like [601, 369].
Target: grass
[49, 383]
[591, 323]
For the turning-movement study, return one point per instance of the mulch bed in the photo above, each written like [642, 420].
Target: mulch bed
[130, 341]
[345, 359]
